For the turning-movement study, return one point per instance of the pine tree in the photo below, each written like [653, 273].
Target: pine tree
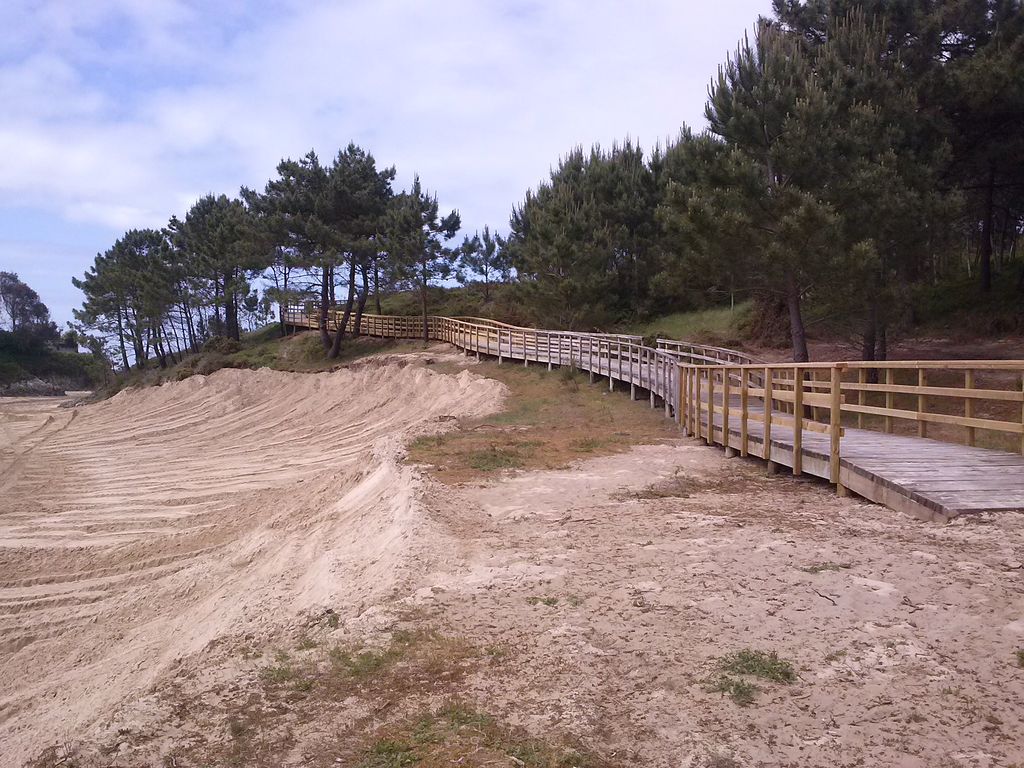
[415, 237]
[484, 256]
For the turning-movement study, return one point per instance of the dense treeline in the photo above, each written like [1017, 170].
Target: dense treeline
[32, 347]
[855, 151]
[335, 233]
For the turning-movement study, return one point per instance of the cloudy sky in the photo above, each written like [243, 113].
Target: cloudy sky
[119, 113]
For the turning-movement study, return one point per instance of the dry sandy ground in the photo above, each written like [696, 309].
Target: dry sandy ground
[142, 535]
[135, 532]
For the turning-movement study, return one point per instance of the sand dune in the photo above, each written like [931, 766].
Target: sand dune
[137, 531]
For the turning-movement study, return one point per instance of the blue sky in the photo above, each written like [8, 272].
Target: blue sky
[117, 114]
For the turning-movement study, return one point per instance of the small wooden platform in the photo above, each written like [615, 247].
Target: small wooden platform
[929, 479]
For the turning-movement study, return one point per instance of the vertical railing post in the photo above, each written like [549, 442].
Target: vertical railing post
[798, 420]
[684, 397]
[711, 406]
[698, 402]
[666, 395]
[890, 399]
[611, 377]
[969, 404]
[1022, 415]
[862, 378]
[744, 403]
[766, 451]
[922, 379]
[725, 410]
[835, 427]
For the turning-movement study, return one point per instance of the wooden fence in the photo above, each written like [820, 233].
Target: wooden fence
[973, 403]
[806, 416]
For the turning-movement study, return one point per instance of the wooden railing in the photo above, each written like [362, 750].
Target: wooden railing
[702, 354]
[978, 402]
[791, 414]
[619, 357]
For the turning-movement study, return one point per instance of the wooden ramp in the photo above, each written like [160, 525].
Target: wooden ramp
[851, 413]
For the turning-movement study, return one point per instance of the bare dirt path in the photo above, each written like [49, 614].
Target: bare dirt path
[619, 584]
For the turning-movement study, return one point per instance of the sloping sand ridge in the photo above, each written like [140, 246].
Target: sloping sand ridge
[137, 531]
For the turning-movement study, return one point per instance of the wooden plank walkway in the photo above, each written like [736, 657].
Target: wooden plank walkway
[928, 478]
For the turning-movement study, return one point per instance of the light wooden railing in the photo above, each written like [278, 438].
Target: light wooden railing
[702, 354]
[975, 402]
[619, 357]
[791, 414]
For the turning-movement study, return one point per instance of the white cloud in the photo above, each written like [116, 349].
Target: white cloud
[118, 113]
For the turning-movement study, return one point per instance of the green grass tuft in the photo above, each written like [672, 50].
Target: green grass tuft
[767, 666]
[710, 326]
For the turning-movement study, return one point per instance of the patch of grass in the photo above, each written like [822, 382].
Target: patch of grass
[496, 457]
[827, 566]
[459, 734]
[544, 426]
[551, 602]
[735, 669]
[278, 674]
[588, 444]
[388, 753]
[740, 691]
[682, 486]
[498, 652]
[364, 663]
[1019, 653]
[767, 666]
[717, 326]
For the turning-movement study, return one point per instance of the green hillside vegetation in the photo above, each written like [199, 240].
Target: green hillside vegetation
[34, 358]
[66, 370]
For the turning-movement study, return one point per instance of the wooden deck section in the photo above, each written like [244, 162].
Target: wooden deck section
[929, 478]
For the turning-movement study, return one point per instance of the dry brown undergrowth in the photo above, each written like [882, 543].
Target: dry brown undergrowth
[407, 699]
[550, 420]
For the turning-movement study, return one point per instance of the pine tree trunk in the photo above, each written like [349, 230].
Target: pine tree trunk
[361, 304]
[187, 313]
[325, 335]
[282, 293]
[376, 285]
[343, 324]
[423, 300]
[985, 265]
[120, 339]
[869, 337]
[218, 328]
[797, 333]
[231, 307]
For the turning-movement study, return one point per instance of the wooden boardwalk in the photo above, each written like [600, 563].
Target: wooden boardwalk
[933, 479]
